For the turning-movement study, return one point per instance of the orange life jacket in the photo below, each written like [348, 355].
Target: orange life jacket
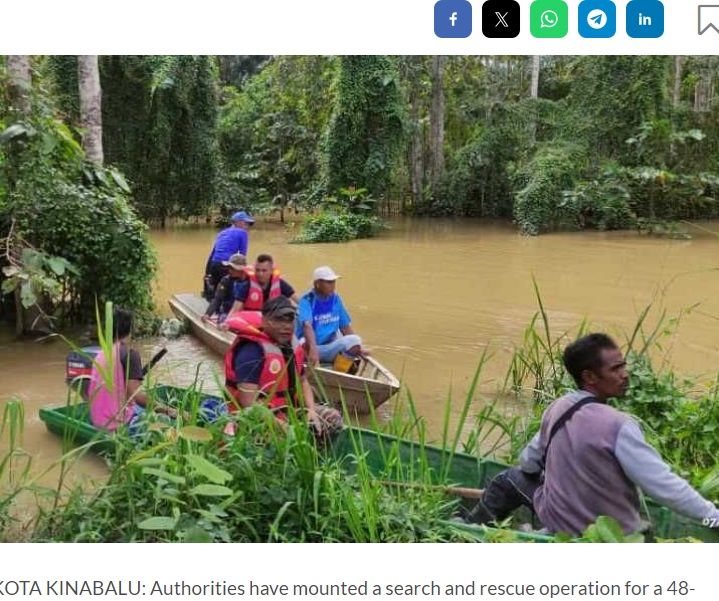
[255, 295]
[240, 321]
[274, 379]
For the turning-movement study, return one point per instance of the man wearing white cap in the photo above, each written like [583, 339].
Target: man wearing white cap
[324, 321]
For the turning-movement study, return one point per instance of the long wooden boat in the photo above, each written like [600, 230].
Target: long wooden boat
[388, 458]
[373, 381]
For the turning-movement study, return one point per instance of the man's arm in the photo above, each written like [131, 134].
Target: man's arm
[530, 461]
[242, 243]
[643, 466]
[345, 322]
[216, 300]
[248, 394]
[132, 364]
[307, 393]
[287, 290]
[248, 364]
[305, 318]
[237, 306]
[313, 353]
[136, 393]
[309, 397]
[209, 261]
[241, 297]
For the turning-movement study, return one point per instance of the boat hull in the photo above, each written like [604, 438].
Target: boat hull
[370, 387]
[386, 457]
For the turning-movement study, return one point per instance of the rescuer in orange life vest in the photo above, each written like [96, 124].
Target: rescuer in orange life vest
[263, 284]
[266, 364]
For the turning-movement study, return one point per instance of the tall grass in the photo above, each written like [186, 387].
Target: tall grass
[189, 481]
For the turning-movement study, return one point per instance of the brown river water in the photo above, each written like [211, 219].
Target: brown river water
[428, 297]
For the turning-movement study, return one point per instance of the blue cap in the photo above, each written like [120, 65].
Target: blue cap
[242, 216]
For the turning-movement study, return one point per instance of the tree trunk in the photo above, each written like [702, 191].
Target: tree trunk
[19, 84]
[416, 159]
[534, 92]
[88, 75]
[19, 87]
[437, 123]
[535, 76]
[678, 71]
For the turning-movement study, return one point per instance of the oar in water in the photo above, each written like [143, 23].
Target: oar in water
[457, 491]
[156, 357]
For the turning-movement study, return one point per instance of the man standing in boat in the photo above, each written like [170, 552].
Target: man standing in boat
[588, 458]
[263, 284]
[325, 324]
[265, 364]
[231, 240]
[227, 289]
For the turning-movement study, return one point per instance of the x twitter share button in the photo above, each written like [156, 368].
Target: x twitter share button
[597, 19]
[453, 19]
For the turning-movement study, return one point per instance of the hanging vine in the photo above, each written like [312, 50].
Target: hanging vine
[365, 134]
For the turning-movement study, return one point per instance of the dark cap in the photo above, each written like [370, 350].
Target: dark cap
[278, 307]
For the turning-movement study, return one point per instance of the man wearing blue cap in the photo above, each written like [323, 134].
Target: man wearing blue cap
[229, 241]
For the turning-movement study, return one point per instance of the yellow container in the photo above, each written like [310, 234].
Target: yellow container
[345, 364]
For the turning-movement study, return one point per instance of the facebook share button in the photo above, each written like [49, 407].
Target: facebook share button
[453, 19]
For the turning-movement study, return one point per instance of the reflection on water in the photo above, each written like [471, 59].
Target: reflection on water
[429, 297]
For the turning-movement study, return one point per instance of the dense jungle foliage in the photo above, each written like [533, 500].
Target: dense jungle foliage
[604, 142]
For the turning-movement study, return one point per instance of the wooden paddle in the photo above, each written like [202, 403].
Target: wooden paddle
[152, 362]
[458, 491]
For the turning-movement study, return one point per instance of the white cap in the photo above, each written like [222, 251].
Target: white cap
[324, 273]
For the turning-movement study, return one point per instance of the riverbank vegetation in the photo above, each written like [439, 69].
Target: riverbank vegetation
[103, 146]
[192, 482]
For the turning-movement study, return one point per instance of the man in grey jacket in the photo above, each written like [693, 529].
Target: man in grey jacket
[589, 459]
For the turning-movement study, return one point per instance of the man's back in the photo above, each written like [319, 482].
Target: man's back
[583, 478]
[229, 241]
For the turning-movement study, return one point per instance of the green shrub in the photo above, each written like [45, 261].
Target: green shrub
[541, 204]
[326, 227]
[603, 203]
[80, 212]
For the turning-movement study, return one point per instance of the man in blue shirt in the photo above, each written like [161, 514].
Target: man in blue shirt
[324, 321]
[231, 240]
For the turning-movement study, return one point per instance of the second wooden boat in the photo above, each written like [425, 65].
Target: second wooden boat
[373, 383]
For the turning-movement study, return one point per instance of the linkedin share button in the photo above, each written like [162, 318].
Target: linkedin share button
[452, 19]
[645, 19]
[597, 19]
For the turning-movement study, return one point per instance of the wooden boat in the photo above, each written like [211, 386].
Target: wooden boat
[388, 458]
[372, 380]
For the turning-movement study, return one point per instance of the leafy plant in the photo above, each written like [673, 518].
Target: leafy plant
[541, 203]
[345, 217]
[38, 276]
[78, 220]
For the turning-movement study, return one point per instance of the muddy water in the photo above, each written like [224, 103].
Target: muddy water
[429, 296]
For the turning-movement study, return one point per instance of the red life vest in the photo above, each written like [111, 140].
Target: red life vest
[242, 320]
[274, 379]
[255, 295]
